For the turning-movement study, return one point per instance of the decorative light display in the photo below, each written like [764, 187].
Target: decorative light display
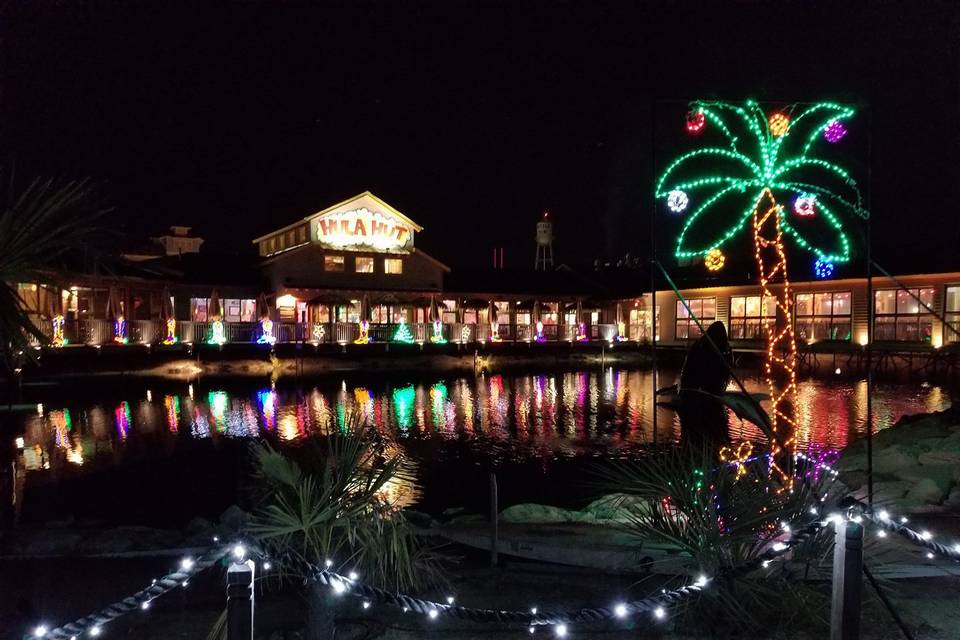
[218, 333]
[714, 260]
[495, 332]
[779, 124]
[805, 206]
[58, 340]
[696, 120]
[621, 331]
[120, 330]
[402, 334]
[437, 337]
[465, 333]
[266, 332]
[834, 131]
[737, 456]
[758, 165]
[677, 200]
[318, 333]
[581, 333]
[538, 336]
[364, 335]
[171, 337]
[823, 269]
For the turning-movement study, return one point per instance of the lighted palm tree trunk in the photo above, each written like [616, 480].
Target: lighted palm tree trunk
[781, 358]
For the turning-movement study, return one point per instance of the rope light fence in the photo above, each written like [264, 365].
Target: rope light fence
[851, 511]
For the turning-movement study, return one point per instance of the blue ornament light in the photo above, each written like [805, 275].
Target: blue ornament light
[823, 269]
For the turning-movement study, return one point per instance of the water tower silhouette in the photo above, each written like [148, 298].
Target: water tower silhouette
[544, 257]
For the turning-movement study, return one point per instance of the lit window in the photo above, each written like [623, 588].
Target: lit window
[951, 332]
[747, 314]
[198, 309]
[302, 234]
[363, 264]
[705, 309]
[823, 316]
[333, 263]
[902, 314]
[393, 265]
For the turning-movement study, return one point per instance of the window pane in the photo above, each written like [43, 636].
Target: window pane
[841, 330]
[753, 306]
[906, 302]
[885, 329]
[737, 328]
[709, 308]
[682, 310]
[696, 307]
[754, 329]
[841, 304]
[885, 302]
[926, 298]
[363, 264]
[907, 329]
[333, 263]
[823, 304]
[681, 331]
[769, 307]
[953, 299]
[392, 265]
[925, 329]
[821, 328]
[737, 307]
[804, 304]
[693, 331]
[953, 335]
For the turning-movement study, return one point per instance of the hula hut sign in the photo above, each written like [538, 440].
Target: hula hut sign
[363, 223]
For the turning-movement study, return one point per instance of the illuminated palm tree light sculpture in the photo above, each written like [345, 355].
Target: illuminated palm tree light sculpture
[764, 161]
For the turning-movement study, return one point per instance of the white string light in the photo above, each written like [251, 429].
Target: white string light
[186, 564]
[560, 630]
[620, 610]
[40, 630]
[433, 614]
[659, 613]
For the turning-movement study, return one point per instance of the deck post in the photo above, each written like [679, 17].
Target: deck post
[847, 578]
[240, 601]
[494, 517]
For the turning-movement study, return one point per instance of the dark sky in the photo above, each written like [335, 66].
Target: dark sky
[472, 118]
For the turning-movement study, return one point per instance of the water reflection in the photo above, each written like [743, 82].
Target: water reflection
[521, 416]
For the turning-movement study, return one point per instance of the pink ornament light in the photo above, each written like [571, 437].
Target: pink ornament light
[834, 131]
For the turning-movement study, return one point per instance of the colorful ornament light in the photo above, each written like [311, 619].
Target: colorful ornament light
[495, 332]
[714, 260]
[266, 332]
[363, 336]
[621, 331]
[834, 131]
[805, 206]
[465, 334]
[120, 330]
[218, 333]
[402, 334]
[823, 269]
[779, 124]
[737, 456]
[677, 200]
[58, 340]
[696, 120]
[318, 333]
[538, 335]
[171, 337]
[581, 333]
[437, 337]
[757, 166]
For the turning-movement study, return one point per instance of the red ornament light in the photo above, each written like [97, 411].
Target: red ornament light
[696, 120]
[779, 123]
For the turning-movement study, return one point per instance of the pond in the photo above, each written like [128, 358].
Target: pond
[153, 452]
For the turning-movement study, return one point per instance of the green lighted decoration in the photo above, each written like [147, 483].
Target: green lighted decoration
[403, 334]
[766, 160]
[723, 184]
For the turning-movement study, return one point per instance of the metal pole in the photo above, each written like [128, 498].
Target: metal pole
[871, 308]
[494, 517]
[653, 273]
[847, 570]
[240, 601]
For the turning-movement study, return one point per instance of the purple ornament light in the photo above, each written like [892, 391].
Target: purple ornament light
[834, 131]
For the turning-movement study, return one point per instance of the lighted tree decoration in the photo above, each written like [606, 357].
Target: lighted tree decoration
[437, 337]
[766, 160]
[363, 337]
[402, 334]
[58, 339]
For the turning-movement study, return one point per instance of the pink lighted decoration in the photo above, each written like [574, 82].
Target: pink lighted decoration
[834, 131]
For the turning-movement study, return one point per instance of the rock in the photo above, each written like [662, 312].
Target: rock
[953, 500]
[940, 456]
[925, 491]
[536, 514]
[233, 518]
[199, 525]
[891, 459]
[890, 491]
[47, 542]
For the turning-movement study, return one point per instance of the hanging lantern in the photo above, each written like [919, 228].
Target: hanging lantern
[805, 206]
[714, 260]
[696, 120]
[823, 269]
[779, 123]
[677, 201]
[834, 132]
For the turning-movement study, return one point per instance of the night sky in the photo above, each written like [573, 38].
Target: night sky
[472, 118]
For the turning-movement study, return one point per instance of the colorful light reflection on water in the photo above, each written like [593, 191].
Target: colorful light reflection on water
[521, 416]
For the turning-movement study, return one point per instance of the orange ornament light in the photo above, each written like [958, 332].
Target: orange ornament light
[714, 260]
[779, 123]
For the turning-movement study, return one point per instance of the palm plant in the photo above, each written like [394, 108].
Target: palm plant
[329, 504]
[37, 227]
[722, 517]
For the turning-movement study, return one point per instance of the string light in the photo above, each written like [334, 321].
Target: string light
[437, 337]
[319, 332]
[538, 336]
[581, 333]
[171, 337]
[659, 613]
[805, 205]
[402, 333]
[620, 611]
[560, 630]
[823, 269]
[58, 339]
[834, 131]
[363, 336]
[495, 332]
[737, 456]
[465, 334]
[120, 330]
[714, 260]
[677, 200]
[40, 630]
[266, 332]
[433, 614]
[696, 120]
[779, 124]
[218, 333]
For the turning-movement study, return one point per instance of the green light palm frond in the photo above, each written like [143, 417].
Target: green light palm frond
[753, 159]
